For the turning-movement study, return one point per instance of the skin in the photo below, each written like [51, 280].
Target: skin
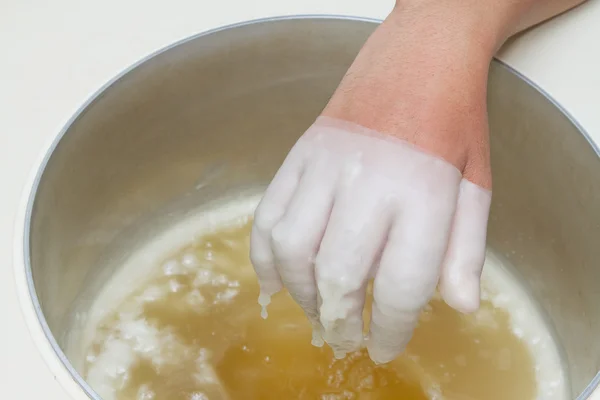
[422, 76]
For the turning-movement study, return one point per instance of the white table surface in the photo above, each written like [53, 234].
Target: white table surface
[55, 54]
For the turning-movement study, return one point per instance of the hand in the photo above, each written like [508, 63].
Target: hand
[349, 204]
[391, 183]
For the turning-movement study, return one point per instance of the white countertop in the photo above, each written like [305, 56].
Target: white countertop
[55, 54]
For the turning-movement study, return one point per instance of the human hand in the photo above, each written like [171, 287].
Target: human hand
[392, 183]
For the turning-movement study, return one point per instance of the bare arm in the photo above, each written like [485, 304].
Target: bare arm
[422, 76]
[346, 205]
[504, 18]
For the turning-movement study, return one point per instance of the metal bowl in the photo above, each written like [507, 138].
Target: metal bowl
[216, 114]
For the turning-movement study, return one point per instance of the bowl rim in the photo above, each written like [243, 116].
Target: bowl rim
[36, 322]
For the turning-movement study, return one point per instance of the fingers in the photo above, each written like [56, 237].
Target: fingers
[296, 237]
[461, 269]
[408, 274]
[268, 213]
[353, 239]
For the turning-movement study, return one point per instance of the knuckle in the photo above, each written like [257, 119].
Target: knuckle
[475, 259]
[342, 268]
[335, 274]
[259, 259]
[403, 295]
[265, 217]
[288, 243]
[340, 280]
[471, 267]
[260, 252]
[461, 264]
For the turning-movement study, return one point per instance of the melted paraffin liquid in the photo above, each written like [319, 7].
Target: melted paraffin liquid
[193, 331]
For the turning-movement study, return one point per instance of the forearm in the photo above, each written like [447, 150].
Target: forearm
[503, 18]
[428, 52]
[422, 76]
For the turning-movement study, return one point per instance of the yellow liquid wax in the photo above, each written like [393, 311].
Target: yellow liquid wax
[194, 332]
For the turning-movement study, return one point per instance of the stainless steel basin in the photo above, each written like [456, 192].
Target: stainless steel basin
[222, 109]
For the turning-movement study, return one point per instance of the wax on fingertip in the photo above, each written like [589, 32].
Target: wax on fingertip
[264, 300]
[317, 339]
